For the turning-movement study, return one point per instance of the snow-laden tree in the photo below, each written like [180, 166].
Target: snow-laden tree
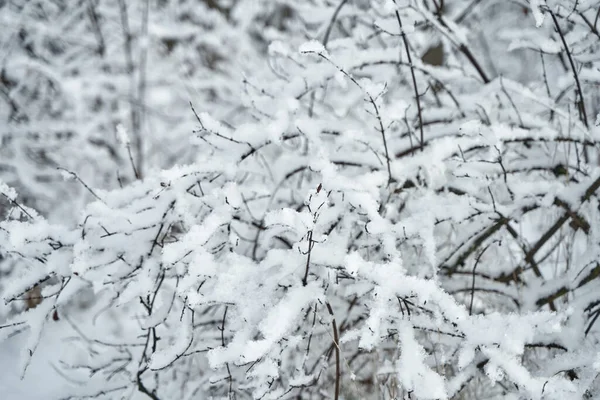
[407, 208]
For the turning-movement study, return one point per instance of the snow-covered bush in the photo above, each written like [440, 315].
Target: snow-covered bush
[74, 70]
[370, 226]
[97, 93]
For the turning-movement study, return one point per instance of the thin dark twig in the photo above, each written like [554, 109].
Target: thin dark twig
[311, 331]
[373, 103]
[512, 103]
[96, 28]
[473, 281]
[82, 182]
[465, 50]
[134, 111]
[127, 35]
[592, 322]
[310, 246]
[414, 79]
[142, 388]
[530, 256]
[589, 24]
[142, 83]
[332, 22]
[216, 133]
[135, 170]
[14, 202]
[466, 11]
[11, 325]
[338, 373]
[222, 329]
[325, 42]
[581, 103]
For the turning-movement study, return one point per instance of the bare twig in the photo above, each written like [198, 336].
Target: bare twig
[96, 28]
[473, 282]
[338, 372]
[332, 22]
[414, 79]
[82, 182]
[145, 44]
[373, 102]
[581, 102]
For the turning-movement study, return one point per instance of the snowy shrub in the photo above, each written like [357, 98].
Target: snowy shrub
[78, 77]
[369, 224]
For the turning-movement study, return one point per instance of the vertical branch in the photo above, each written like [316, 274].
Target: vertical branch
[325, 41]
[580, 103]
[545, 76]
[96, 28]
[414, 79]
[222, 329]
[310, 246]
[383, 137]
[310, 242]
[148, 304]
[332, 22]
[126, 35]
[135, 170]
[336, 340]
[144, 44]
[134, 112]
[473, 281]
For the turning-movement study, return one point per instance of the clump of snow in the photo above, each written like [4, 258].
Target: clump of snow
[122, 136]
[313, 46]
[536, 10]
